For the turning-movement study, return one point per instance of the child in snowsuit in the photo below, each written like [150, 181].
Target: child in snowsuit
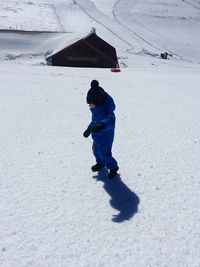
[102, 128]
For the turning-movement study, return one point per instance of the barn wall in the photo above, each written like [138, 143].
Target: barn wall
[82, 55]
[102, 45]
[91, 51]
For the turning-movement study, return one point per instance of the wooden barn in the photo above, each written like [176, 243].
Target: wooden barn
[89, 52]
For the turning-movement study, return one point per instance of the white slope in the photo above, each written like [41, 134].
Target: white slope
[28, 16]
[135, 28]
[54, 211]
[166, 25]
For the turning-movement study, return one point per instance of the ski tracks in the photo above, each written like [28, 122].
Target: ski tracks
[58, 18]
[133, 40]
[128, 28]
[87, 5]
[142, 38]
[140, 42]
[91, 10]
[191, 4]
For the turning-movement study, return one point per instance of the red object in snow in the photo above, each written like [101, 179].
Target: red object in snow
[115, 70]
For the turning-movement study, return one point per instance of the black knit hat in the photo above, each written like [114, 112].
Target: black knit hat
[94, 84]
[96, 95]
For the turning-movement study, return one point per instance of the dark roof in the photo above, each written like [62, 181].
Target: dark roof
[92, 40]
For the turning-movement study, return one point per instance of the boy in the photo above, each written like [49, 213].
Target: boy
[102, 128]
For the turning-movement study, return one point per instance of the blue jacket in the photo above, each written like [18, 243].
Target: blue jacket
[104, 114]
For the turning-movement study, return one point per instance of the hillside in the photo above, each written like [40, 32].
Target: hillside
[54, 210]
[137, 29]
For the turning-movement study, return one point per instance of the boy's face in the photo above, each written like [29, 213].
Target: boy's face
[92, 106]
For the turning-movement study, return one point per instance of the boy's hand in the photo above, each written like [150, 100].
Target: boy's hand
[92, 106]
[98, 127]
[87, 133]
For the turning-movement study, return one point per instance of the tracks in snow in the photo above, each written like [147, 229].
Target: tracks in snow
[87, 5]
[90, 5]
[135, 42]
[146, 41]
[92, 12]
[131, 31]
[191, 4]
[58, 18]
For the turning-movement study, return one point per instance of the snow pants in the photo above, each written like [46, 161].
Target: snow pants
[104, 156]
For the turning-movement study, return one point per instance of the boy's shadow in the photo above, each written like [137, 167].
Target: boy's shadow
[122, 198]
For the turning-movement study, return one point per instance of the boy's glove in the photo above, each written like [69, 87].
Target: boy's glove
[86, 133]
[98, 127]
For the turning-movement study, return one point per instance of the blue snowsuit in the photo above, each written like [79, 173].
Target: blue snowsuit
[103, 140]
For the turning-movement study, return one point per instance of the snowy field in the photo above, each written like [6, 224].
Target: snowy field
[56, 213]
[145, 28]
[28, 16]
[54, 210]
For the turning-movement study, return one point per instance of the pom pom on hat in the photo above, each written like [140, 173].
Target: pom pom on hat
[96, 95]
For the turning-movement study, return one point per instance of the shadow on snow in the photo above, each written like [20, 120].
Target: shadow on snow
[122, 198]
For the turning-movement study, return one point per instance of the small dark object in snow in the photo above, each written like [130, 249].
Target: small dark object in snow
[165, 55]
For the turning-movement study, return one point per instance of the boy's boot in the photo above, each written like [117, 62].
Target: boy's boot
[97, 167]
[113, 172]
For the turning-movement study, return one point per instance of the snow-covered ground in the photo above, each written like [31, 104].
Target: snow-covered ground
[144, 28]
[28, 16]
[54, 211]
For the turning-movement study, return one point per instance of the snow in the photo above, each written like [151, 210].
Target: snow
[174, 25]
[54, 211]
[28, 16]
